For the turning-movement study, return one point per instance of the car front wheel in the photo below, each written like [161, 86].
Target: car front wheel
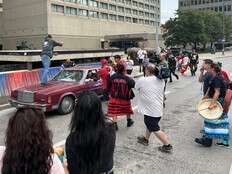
[66, 105]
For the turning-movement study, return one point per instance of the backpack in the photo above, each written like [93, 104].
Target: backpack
[164, 72]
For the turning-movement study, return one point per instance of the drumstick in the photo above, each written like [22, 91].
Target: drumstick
[203, 109]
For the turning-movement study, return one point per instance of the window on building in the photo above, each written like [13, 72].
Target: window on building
[147, 14]
[141, 5]
[103, 5]
[121, 9]
[121, 18]
[141, 13]
[128, 2]
[57, 8]
[229, 8]
[128, 10]
[135, 12]
[112, 17]
[135, 3]
[104, 16]
[135, 20]
[147, 22]
[141, 21]
[83, 12]
[146, 6]
[128, 19]
[121, 1]
[152, 8]
[112, 7]
[152, 15]
[93, 3]
[71, 10]
[152, 23]
[93, 14]
[73, 1]
[84, 2]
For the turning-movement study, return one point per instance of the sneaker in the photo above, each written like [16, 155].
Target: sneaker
[166, 148]
[142, 140]
[223, 144]
[116, 126]
[130, 122]
[207, 142]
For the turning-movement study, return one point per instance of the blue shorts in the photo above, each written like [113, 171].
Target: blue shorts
[152, 123]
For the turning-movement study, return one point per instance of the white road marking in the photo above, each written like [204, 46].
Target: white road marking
[7, 111]
[3, 105]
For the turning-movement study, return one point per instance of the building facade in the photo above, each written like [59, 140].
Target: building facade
[79, 24]
[1, 27]
[216, 5]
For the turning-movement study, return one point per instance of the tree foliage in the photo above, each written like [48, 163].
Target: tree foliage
[196, 27]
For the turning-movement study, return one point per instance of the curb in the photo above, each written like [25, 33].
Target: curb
[5, 106]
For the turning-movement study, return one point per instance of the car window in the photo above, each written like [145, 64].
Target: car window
[69, 75]
[92, 75]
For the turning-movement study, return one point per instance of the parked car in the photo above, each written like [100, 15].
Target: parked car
[61, 92]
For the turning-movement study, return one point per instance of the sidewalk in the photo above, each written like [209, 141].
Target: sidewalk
[4, 104]
[217, 55]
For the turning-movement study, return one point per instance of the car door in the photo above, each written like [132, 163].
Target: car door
[93, 81]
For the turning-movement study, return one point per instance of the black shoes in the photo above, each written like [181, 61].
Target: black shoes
[166, 148]
[130, 122]
[142, 140]
[206, 142]
[116, 126]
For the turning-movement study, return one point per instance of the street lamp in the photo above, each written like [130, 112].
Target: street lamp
[223, 28]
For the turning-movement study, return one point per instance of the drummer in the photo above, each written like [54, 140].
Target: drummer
[215, 128]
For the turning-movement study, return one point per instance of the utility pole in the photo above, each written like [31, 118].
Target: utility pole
[223, 28]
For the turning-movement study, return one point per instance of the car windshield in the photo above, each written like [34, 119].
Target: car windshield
[69, 76]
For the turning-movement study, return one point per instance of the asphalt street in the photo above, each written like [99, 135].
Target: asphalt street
[180, 121]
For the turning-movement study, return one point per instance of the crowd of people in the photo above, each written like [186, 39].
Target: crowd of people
[91, 141]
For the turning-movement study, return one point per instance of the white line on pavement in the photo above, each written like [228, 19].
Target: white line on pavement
[7, 111]
[230, 169]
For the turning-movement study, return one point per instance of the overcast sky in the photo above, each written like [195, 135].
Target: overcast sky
[168, 8]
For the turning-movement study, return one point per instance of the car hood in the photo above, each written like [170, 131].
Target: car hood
[52, 86]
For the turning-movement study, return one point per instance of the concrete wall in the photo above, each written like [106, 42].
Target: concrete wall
[24, 20]
[1, 28]
[82, 32]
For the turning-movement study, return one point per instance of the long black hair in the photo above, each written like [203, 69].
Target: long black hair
[28, 144]
[87, 124]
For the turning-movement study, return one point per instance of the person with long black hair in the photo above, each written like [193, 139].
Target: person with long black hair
[91, 142]
[28, 147]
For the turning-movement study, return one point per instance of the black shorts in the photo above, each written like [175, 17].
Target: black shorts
[152, 123]
[140, 61]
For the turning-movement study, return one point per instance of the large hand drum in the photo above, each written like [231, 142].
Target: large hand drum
[210, 114]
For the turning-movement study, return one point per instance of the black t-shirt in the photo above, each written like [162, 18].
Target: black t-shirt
[194, 58]
[108, 145]
[217, 82]
[206, 81]
[120, 86]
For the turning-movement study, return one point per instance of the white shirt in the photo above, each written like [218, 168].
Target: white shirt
[151, 96]
[129, 64]
[57, 167]
[141, 54]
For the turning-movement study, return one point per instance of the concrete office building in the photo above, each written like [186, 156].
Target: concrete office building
[216, 5]
[79, 24]
[1, 30]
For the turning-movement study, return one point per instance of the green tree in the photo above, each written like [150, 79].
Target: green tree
[195, 27]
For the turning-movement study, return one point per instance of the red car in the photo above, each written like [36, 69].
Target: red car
[61, 92]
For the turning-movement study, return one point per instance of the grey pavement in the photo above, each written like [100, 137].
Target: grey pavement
[180, 121]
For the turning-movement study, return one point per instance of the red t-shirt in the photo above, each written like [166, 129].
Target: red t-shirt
[225, 76]
[104, 75]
